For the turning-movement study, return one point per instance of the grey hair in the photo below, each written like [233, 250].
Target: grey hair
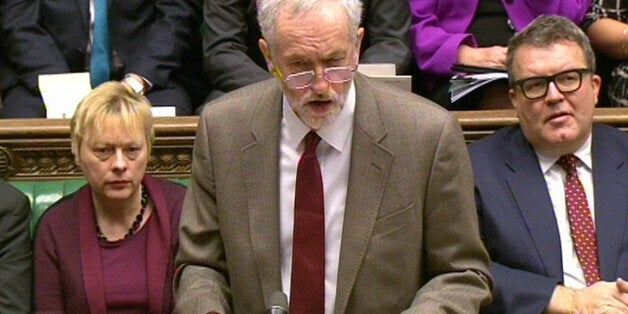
[268, 11]
[545, 31]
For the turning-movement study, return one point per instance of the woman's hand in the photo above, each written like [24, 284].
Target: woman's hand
[494, 56]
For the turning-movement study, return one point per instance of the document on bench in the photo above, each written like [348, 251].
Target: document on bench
[463, 84]
[64, 91]
[386, 72]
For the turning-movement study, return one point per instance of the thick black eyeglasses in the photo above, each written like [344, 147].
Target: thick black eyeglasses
[305, 79]
[566, 82]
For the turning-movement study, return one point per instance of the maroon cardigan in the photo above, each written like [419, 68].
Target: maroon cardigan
[68, 269]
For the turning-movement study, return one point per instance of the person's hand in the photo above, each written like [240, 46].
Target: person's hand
[601, 297]
[622, 285]
[137, 83]
[494, 56]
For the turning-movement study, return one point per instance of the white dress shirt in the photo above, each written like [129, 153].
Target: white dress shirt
[333, 152]
[555, 177]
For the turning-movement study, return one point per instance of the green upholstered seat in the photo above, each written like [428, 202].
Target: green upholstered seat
[42, 193]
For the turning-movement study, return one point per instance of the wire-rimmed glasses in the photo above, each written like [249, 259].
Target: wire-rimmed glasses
[335, 75]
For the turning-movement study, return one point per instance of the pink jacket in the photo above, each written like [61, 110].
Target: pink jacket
[439, 26]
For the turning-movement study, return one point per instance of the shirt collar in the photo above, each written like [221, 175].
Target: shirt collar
[583, 153]
[335, 134]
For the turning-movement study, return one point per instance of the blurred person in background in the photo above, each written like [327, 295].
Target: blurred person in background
[606, 26]
[473, 33]
[154, 46]
[15, 251]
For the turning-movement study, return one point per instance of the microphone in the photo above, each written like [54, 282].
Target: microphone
[277, 303]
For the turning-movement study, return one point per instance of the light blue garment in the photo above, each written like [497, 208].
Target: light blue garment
[100, 64]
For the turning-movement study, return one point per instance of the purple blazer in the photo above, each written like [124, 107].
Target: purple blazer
[439, 27]
[68, 268]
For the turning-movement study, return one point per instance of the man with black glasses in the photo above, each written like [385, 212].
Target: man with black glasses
[347, 195]
[552, 191]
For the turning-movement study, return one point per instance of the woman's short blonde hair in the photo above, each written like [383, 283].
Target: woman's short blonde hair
[111, 100]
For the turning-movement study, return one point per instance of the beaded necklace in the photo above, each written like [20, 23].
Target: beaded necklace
[136, 224]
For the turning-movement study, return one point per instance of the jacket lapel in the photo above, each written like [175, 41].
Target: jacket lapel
[370, 166]
[260, 159]
[91, 262]
[529, 190]
[159, 255]
[610, 202]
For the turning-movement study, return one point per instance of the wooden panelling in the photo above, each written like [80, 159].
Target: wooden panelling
[39, 149]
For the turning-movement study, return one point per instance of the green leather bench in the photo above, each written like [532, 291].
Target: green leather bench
[44, 193]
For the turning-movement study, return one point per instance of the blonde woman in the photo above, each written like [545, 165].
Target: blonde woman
[110, 246]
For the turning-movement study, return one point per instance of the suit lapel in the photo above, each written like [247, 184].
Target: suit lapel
[370, 166]
[529, 191]
[610, 202]
[91, 260]
[260, 159]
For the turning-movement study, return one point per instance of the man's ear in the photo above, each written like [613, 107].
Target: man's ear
[512, 94]
[265, 49]
[358, 44]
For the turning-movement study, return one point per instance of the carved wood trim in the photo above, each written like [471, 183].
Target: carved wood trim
[39, 149]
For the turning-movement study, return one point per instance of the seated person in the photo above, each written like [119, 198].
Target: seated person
[15, 251]
[155, 46]
[473, 32]
[551, 191]
[111, 245]
[7, 75]
[231, 32]
[606, 27]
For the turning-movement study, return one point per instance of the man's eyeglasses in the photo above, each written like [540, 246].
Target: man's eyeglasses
[303, 80]
[566, 82]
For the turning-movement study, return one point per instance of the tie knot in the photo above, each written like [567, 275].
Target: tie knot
[568, 162]
[311, 141]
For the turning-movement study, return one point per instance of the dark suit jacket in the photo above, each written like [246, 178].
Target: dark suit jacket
[518, 223]
[410, 236]
[15, 251]
[7, 76]
[157, 39]
[230, 41]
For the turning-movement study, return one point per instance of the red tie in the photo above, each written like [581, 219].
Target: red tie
[580, 221]
[307, 291]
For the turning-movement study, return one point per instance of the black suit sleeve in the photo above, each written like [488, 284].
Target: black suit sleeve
[30, 49]
[15, 251]
[386, 38]
[230, 51]
[162, 36]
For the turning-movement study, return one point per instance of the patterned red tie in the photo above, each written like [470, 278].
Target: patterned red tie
[580, 221]
[307, 291]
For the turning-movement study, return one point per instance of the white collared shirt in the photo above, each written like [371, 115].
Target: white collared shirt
[555, 177]
[333, 152]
